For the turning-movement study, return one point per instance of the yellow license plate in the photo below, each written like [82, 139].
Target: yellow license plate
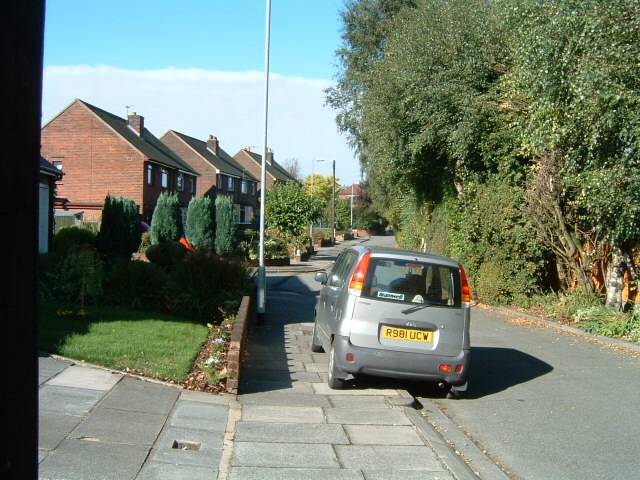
[394, 333]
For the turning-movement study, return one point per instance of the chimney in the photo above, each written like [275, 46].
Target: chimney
[269, 156]
[136, 122]
[212, 144]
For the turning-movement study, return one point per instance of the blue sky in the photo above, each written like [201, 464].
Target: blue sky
[191, 65]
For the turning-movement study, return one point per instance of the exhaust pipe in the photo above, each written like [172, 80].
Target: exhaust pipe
[442, 385]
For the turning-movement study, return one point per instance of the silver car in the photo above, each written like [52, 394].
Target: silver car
[394, 313]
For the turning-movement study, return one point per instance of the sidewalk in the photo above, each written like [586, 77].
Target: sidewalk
[95, 424]
[319, 261]
[292, 426]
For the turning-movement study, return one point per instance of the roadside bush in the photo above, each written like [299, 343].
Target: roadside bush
[166, 254]
[199, 228]
[119, 234]
[205, 287]
[225, 225]
[166, 222]
[71, 239]
[74, 278]
[145, 242]
[139, 285]
[489, 282]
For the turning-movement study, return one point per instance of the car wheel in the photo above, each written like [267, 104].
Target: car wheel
[315, 345]
[335, 381]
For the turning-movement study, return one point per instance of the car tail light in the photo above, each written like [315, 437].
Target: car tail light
[444, 367]
[357, 279]
[459, 368]
[350, 358]
[466, 289]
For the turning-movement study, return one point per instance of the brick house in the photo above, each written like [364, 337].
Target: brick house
[253, 163]
[101, 153]
[219, 173]
[47, 178]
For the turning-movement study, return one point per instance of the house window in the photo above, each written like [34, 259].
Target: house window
[253, 188]
[192, 185]
[149, 174]
[246, 214]
[244, 188]
[164, 178]
[57, 164]
[230, 184]
[180, 182]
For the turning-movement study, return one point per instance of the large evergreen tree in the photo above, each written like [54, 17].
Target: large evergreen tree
[166, 223]
[225, 225]
[119, 234]
[199, 228]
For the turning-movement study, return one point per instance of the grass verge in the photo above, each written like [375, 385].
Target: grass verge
[150, 344]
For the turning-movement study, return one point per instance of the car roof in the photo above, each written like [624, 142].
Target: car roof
[410, 254]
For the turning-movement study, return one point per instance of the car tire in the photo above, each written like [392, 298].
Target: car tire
[335, 381]
[316, 347]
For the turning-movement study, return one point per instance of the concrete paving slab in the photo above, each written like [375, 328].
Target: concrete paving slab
[316, 367]
[406, 475]
[85, 377]
[265, 473]
[82, 460]
[255, 454]
[388, 458]
[289, 366]
[284, 385]
[42, 454]
[357, 401]
[264, 374]
[324, 389]
[366, 416]
[68, 400]
[382, 435]
[137, 395]
[291, 399]
[199, 415]
[165, 471]
[207, 455]
[53, 428]
[121, 426]
[49, 367]
[277, 414]
[216, 399]
[290, 432]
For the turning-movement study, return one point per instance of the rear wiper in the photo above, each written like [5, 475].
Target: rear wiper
[415, 308]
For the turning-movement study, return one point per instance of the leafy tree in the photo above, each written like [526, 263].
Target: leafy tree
[225, 225]
[343, 213]
[199, 227]
[289, 209]
[119, 234]
[320, 187]
[166, 222]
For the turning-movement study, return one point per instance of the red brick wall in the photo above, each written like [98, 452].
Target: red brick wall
[253, 168]
[96, 160]
[207, 179]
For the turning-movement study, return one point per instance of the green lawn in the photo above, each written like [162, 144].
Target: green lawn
[152, 344]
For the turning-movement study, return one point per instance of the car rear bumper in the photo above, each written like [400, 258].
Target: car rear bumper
[388, 363]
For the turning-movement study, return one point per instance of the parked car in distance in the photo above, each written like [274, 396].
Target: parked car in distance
[394, 313]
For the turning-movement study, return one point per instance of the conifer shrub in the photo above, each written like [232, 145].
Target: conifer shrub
[166, 254]
[70, 239]
[199, 228]
[120, 232]
[225, 225]
[166, 222]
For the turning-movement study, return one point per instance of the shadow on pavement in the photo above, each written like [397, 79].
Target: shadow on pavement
[274, 354]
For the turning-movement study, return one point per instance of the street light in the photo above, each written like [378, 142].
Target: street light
[262, 281]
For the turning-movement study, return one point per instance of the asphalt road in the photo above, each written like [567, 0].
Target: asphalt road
[548, 405]
[544, 404]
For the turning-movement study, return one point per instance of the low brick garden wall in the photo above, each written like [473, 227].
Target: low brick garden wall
[237, 343]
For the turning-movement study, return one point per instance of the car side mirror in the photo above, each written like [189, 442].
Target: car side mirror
[321, 277]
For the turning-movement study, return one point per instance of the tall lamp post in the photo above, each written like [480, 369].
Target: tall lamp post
[262, 281]
[333, 205]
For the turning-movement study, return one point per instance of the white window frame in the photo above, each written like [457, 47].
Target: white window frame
[164, 178]
[244, 187]
[230, 184]
[149, 174]
[253, 188]
[180, 182]
[192, 185]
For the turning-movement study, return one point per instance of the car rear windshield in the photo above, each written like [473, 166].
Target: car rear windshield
[413, 282]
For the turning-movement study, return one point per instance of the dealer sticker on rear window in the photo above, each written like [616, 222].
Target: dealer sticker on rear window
[391, 296]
